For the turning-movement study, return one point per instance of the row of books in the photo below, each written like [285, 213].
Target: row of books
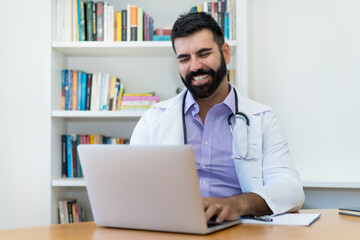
[79, 20]
[82, 91]
[223, 11]
[70, 162]
[70, 211]
[90, 91]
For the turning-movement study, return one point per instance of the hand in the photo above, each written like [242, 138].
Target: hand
[232, 208]
[224, 208]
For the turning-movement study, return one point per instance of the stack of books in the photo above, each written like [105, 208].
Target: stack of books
[223, 11]
[90, 91]
[70, 162]
[79, 20]
[70, 211]
[138, 101]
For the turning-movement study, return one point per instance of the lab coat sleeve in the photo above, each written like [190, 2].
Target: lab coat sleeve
[282, 189]
[144, 129]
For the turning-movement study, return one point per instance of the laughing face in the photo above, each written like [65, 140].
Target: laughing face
[202, 65]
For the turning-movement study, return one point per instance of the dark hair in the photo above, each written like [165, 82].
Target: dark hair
[190, 23]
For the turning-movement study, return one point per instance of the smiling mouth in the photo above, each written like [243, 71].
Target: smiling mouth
[200, 77]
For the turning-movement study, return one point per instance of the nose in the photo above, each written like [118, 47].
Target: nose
[195, 64]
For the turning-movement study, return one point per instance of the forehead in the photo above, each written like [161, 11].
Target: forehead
[194, 42]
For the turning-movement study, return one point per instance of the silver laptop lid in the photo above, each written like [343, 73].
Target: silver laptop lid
[143, 187]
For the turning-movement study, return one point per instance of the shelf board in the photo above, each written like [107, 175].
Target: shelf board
[68, 182]
[80, 182]
[98, 114]
[135, 49]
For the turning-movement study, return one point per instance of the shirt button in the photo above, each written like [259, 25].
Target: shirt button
[203, 182]
[204, 167]
[206, 142]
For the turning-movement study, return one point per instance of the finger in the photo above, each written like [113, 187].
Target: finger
[211, 211]
[207, 201]
[223, 215]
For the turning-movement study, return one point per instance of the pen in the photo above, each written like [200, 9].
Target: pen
[259, 218]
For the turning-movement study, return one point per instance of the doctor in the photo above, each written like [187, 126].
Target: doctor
[241, 153]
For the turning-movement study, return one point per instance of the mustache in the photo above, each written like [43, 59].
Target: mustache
[199, 72]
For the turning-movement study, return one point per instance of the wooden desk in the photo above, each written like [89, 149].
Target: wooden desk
[331, 225]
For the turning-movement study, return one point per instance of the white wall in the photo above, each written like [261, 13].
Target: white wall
[305, 62]
[24, 165]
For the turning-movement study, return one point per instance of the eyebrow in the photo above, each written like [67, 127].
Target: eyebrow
[200, 51]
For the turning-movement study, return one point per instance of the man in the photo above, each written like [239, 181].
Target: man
[248, 174]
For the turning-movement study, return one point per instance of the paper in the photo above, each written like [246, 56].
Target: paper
[290, 219]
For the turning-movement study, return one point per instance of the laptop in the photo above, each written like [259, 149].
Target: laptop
[145, 187]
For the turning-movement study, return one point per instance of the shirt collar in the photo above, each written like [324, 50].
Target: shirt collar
[229, 101]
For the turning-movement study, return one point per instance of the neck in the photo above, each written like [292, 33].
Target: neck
[217, 97]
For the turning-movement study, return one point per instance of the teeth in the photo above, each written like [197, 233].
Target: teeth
[197, 78]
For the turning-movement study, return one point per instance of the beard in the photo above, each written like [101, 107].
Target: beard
[207, 89]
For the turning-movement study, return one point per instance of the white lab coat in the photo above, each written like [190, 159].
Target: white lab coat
[270, 174]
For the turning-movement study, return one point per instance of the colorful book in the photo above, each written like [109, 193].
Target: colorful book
[89, 20]
[82, 22]
[94, 22]
[63, 156]
[83, 91]
[140, 16]
[79, 96]
[74, 89]
[69, 156]
[133, 23]
[63, 87]
[88, 91]
[124, 25]
[100, 21]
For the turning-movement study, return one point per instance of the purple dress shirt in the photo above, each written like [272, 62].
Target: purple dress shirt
[212, 144]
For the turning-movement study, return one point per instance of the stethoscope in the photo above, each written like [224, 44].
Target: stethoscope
[238, 115]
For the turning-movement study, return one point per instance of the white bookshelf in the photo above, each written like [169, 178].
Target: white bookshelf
[142, 66]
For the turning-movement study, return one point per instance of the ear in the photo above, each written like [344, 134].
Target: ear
[226, 51]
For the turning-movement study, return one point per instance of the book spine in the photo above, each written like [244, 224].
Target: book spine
[100, 21]
[133, 23]
[74, 155]
[128, 22]
[63, 87]
[89, 20]
[124, 25]
[82, 21]
[69, 156]
[83, 91]
[93, 92]
[111, 23]
[79, 90]
[61, 212]
[94, 22]
[137, 98]
[79, 20]
[88, 91]
[140, 16]
[63, 157]
[227, 27]
[121, 92]
[74, 89]
[70, 72]
[74, 21]
[78, 169]
[118, 25]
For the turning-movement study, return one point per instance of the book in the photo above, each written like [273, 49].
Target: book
[63, 156]
[69, 156]
[63, 86]
[88, 91]
[94, 22]
[82, 36]
[124, 25]
[74, 89]
[118, 25]
[133, 23]
[352, 211]
[161, 38]
[162, 31]
[110, 23]
[140, 15]
[100, 21]
[89, 20]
